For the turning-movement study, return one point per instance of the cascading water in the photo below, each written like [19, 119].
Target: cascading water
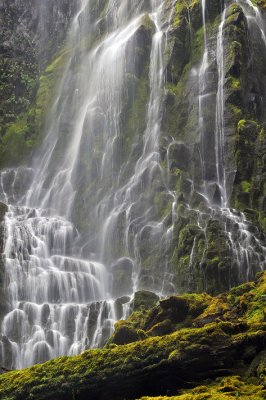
[58, 302]
[219, 126]
[66, 283]
[202, 91]
[244, 244]
[254, 16]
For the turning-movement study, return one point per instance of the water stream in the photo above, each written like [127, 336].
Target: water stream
[83, 230]
[244, 244]
[62, 299]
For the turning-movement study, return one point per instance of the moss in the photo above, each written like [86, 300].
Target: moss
[148, 366]
[245, 186]
[248, 193]
[260, 3]
[223, 389]
[124, 334]
[18, 84]
[24, 133]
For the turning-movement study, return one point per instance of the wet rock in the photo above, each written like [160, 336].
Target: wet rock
[6, 354]
[144, 299]
[119, 303]
[214, 193]
[179, 156]
[161, 328]
[126, 334]
[45, 313]
[92, 323]
[122, 277]
[197, 199]
[141, 41]
[3, 210]
[178, 308]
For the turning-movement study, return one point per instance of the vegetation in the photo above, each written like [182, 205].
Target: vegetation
[228, 388]
[211, 337]
[23, 134]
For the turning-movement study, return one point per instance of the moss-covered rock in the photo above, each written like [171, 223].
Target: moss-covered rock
[228, 388]
[25, 133]
[212, 349]
[124, 334]
[27, 47]
[144, 299]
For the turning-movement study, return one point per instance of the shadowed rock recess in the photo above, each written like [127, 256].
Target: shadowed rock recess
[132, 199]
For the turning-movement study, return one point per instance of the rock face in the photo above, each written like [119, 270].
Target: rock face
[202, 258]
[31, 32]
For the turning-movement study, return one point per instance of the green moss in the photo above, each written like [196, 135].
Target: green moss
[241, 124]
[246, 186]
[182, 9]
[229, 325]
[24, 134]
[229, 388]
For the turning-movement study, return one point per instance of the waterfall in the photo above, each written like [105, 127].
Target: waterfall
[247, 251]
[91, 220]
[219, 126]
[62, 295]
[254, 16]
[202, 91]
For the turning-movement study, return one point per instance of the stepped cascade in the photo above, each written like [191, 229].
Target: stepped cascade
[100, 211]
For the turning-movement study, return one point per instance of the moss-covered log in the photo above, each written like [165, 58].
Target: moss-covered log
[227, 336]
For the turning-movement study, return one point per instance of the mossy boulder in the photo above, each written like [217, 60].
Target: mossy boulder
[144, 299]
[125, 334]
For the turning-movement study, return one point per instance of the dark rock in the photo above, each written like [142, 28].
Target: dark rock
[178, 308]
[144, 299]
[3, 211]
[122, 277]
[125, 334]
[119, 305]
[179, 156]
[161, 328]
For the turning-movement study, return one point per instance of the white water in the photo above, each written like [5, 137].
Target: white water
[60, 302]
[254, 16]
[50, 293]
[202, 91]
[219, 126]
[247, 251]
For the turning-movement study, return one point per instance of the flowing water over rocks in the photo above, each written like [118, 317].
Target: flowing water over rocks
[85, 227]
[245, 244]
[59, 302]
